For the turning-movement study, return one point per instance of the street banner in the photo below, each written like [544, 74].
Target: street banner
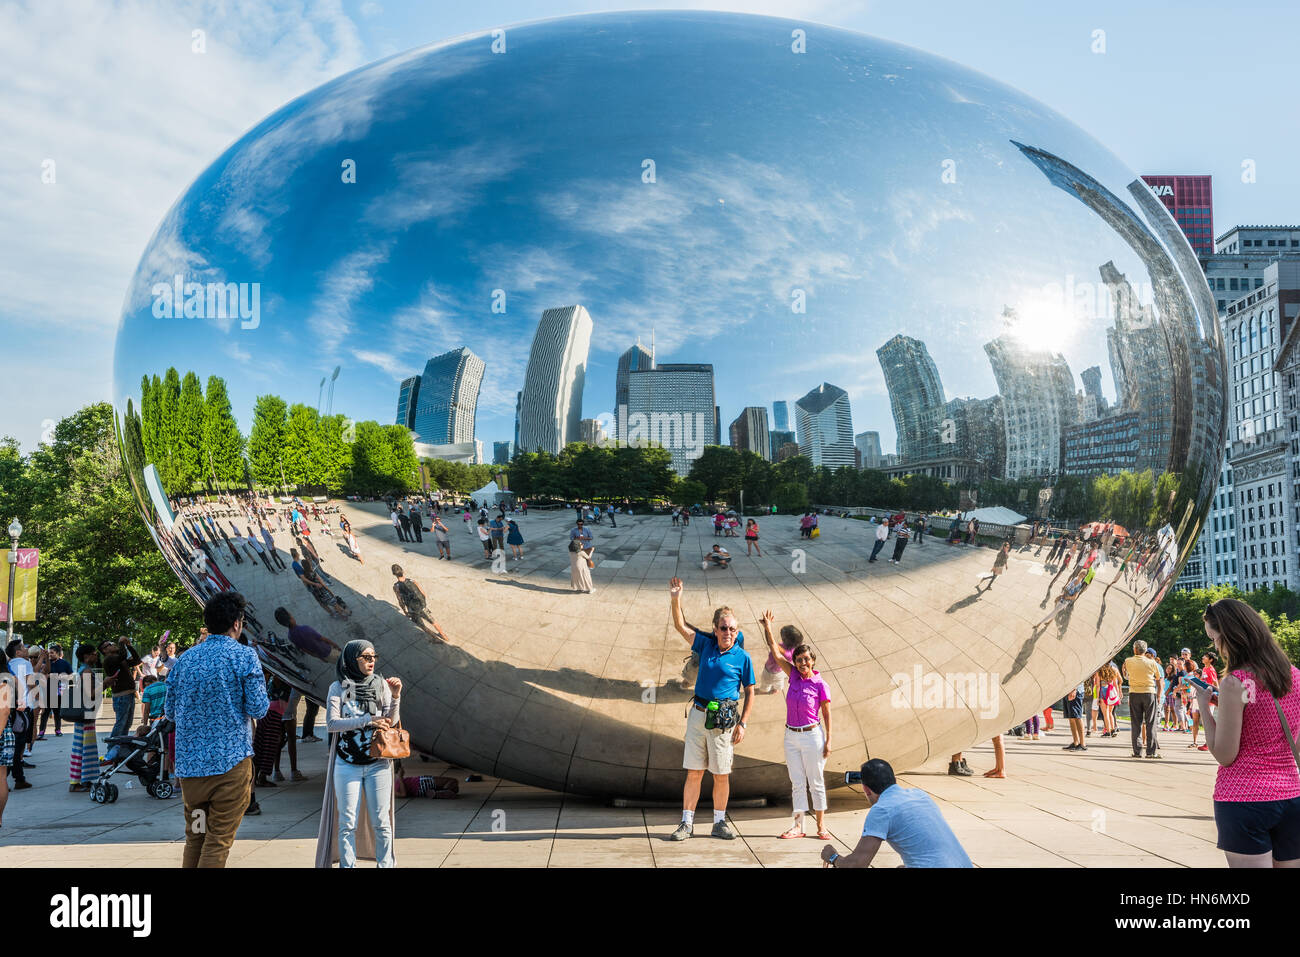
[24, 584]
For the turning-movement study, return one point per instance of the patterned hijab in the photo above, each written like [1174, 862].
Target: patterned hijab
[366, 690]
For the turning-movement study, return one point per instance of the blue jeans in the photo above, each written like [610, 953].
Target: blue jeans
[123, 710]
[377, 781]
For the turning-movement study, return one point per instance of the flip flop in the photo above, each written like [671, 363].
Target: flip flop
[791, 833]
[820, 835]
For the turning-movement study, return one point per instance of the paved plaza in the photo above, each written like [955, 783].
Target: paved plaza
[546, 671]
[1056, 809]
[577, 692]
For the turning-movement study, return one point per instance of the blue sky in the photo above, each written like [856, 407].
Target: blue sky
[83, 92]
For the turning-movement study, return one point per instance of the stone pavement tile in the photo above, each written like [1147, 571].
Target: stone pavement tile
[281, 853]
[1126, 860]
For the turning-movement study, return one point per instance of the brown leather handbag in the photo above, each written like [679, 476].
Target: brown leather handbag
[394, 742]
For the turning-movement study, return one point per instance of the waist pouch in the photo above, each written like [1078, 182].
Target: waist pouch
[725, 717]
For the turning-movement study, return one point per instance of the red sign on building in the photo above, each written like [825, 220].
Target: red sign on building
[1190, 201]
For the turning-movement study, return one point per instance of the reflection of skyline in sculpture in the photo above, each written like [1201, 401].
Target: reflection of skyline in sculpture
[442, 401]
[916, 397]
[673, 405]
[868, 445]
[780, 416]
[544, 686]
[825, 426]
[551, 401]
[636, 359]
[1183, 336]
[749, 432]
[1038, 404]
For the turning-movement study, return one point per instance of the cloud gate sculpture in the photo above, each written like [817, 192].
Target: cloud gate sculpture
[631, 229]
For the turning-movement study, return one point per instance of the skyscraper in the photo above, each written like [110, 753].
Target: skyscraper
[1091, 379]
[1038, 403]
[749, 431]
[550, 406]
[777, 438]
[408, 394]
[1142, 366]
[636, 359]
[442, 404]
[781, 415]
[591, 432]
[1190, 200]
[519, 400]
[973, 432]
[825, 426]
[916, 397]
[868, 445]
[501, 453]
[672, 405]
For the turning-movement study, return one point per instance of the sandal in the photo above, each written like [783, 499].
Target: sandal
[299, 776]
[822, 835]
[793, 833]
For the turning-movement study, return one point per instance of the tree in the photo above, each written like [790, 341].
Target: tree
[189, 434]
[336, 452]
[716, 469]
[688, 492]
[169, 402]
[372, 460]
[223, 446]
[266, 440]
[303, 458]
[404, 465]
[100, 572]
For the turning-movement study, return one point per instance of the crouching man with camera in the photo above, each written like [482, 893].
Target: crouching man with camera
[907, 819]
[716, 718]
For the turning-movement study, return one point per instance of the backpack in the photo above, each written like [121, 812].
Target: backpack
[410, 594]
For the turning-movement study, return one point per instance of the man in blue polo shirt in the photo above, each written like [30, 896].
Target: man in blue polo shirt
[905, 818]
[725, 673]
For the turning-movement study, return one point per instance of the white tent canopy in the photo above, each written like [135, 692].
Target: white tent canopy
[994, 515]
[490, 494]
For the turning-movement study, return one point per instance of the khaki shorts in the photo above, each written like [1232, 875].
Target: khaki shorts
[705, 749]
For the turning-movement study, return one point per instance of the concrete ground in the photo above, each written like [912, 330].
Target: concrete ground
[577, 692]
[1056, 809]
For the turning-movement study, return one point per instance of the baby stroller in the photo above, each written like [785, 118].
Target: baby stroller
[143, 759]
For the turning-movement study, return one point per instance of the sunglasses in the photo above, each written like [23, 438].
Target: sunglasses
[728, 627]
[367, 657]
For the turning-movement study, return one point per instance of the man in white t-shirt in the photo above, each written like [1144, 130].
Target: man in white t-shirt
[25, 681]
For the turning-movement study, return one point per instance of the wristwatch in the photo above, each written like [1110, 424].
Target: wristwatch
[743, 725]
[834, 858]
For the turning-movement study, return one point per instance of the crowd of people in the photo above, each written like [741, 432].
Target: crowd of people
[1242, 698]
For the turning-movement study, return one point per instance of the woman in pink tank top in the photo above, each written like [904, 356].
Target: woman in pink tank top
[1252, 736]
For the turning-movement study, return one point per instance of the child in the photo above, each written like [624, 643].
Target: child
[807, 732]
[773, 677]
[424, 785]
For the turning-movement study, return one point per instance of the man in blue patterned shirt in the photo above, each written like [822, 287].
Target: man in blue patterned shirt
[214, 691]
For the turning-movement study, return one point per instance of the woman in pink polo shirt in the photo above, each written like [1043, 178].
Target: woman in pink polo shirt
[807, 744]
[1252, 734]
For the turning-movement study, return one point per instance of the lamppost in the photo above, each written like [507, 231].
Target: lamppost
[15, 531]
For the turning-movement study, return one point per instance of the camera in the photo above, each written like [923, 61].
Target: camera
[852, 777]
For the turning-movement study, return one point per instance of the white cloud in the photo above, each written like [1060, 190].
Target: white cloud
[443, 187]
[386, 361]
[673, 242]
[130, 115]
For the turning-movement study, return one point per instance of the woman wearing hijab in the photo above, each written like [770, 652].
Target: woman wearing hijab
[359, 702]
